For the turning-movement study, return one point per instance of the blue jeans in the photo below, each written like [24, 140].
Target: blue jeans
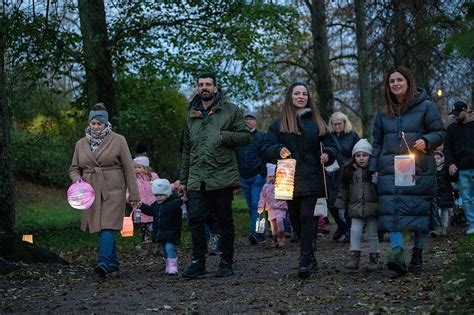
[107, 251]
[252, 188]
[168, 250]
[396, 240]
[466, 187]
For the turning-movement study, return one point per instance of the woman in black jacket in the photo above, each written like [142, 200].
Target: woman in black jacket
[409, 116]
[340, 129]
[298, 132]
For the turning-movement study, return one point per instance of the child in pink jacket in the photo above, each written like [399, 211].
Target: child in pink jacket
[144, 179]
[276, 208]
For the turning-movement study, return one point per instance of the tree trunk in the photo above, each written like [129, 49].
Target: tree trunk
[320, 59]
[365, 91]
[100, 84]
[7, 185]
[400, 32]
[420, 54]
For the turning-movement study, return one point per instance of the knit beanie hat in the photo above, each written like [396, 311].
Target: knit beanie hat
[362, 146]
[271, 169]
[100, 115]
[142, 160]
[161, 186]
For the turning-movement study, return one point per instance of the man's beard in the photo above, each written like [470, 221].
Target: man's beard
[206, 96]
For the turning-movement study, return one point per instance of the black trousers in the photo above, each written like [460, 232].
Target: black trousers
[301, 210]
[203, 205]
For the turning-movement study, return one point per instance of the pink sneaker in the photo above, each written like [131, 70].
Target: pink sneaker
[172, 264]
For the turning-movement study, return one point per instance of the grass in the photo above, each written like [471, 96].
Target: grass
[55, 225]
[458, 281]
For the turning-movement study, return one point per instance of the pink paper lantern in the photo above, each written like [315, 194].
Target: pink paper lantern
[80, 195]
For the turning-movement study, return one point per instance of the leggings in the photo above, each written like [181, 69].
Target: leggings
[277, 226]
[168, 250]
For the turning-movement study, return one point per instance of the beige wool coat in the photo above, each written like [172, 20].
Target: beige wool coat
[110, 171]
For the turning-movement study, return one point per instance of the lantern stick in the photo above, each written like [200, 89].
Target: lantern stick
[404, 140]
[324, 171]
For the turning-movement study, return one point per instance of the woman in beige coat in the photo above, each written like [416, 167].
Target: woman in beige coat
[102, 159]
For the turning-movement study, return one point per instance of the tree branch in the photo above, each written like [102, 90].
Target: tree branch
[349, 56]
[343, 103]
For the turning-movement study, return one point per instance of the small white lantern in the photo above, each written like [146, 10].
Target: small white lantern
[285, 179]
[404, 166]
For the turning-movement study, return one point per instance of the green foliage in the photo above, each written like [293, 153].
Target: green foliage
[152, 112]
[458, 281]
[463, 40]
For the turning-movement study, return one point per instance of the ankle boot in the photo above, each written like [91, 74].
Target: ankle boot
[167, 262]
[397, 262]
[173, 266]
[416, 262]
[353, 264]
[374, 262]
[281, 239]
[275, 240]
[304, 269]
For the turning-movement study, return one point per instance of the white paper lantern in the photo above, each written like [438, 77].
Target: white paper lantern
[405, 170]
[285, 179]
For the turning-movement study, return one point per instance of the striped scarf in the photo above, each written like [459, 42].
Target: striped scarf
[95, 139]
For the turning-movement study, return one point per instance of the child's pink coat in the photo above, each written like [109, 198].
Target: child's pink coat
[146, 196]
[267, 201]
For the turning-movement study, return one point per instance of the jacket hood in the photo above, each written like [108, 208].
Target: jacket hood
[196, 102]
[422, 96]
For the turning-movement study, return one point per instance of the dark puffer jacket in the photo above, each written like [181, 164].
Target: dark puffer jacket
[249, 157]
[406, 208]
[166, 219]
[445, 190]
[358, 195]
[305, 150]
[346, 142]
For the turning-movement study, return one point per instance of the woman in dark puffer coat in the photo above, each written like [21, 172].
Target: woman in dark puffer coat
[408, 111]
[299, 132]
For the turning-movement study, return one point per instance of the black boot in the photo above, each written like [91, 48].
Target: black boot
[341, 226]
[197, 269]
[304, 269]
[397, 262]
[416, 262]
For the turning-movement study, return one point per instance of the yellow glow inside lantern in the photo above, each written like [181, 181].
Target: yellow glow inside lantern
[285, 179]
[27, 238]
[440, 92]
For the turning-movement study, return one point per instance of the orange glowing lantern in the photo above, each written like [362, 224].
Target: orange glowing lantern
[27, 238]
[285, 179]
[127, 226]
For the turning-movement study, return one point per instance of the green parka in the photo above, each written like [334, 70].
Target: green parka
[208, 141]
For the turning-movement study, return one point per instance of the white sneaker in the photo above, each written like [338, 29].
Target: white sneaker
[470, 229]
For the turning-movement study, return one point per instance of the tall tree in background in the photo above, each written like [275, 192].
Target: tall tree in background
[7, 185]
[320, 57]
[365, 92]
[100, 84]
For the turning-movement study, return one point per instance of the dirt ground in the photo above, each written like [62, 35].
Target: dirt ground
[265, 281]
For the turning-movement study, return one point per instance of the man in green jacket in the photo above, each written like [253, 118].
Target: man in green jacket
[209, 172]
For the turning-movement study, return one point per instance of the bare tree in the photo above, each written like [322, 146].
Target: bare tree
[100, 83]
[365, 93]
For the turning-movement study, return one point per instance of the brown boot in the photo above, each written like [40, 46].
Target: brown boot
[374, 262]
[353, 264]
[281, 239]
[275, 240]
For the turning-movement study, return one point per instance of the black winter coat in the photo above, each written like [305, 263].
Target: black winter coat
[406, 208]
[305, 150]
[445, 190]
[166, 219]
[249, 157]
[346, 142]
[459, 146]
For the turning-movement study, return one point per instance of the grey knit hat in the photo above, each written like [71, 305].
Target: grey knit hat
[161, 186]
[362, 146]
[100, 115]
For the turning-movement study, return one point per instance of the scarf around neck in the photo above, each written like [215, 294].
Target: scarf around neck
[95, 139]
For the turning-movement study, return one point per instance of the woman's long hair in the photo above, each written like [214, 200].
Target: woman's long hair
[289, 116]
[391, 100]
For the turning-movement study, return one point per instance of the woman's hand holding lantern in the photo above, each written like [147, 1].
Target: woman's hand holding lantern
[284, 153]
